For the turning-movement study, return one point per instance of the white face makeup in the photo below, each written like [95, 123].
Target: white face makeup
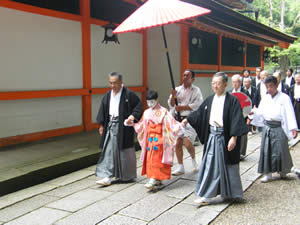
[151, 103]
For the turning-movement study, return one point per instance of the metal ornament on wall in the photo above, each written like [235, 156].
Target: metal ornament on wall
[197, 42]
[109, 36]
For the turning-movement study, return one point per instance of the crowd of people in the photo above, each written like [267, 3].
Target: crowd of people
[221, 123]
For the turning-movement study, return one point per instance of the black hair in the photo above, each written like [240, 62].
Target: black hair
[271, 79]
[260, 69]
[192, 72]
[245, 70]
[223, 75]
[290, 69]
[116, 74]
[151, 95]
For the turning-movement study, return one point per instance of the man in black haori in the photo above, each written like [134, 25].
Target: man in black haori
[118, 159]
[281, 86]
[236, 82]
[295, 97]
[218, 122]
[289, 79]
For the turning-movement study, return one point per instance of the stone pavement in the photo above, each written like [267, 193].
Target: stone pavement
[28, 164]
[76, 199]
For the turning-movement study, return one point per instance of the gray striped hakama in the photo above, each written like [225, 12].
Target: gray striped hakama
[274, 150]
[215, 177]
[113, 162]
[244, 143]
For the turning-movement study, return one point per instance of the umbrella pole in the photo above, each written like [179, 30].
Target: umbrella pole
[168, 57]
[170, 68]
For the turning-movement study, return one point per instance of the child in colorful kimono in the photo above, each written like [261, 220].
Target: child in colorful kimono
[157, 133]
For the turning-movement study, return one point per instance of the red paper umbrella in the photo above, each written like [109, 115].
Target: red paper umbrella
[158, 13]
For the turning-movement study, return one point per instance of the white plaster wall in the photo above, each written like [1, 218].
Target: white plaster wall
[34, 115]
[158, 72]
[39, 52]
[204, 83]
[96, 101]
[126, 57]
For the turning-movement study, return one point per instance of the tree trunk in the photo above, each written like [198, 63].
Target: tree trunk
[271, 12]
[295, 22]
[281, 25]
[284, 64]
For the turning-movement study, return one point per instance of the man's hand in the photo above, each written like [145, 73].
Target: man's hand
[130, 119]
[101, 130]
[184, 122]
[173, 92]
[248, 121]
[231, 143]
[295, 133]
[179, 108]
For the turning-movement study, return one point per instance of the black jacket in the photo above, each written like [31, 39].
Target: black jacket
[233, 123]
[292, 81]
[284, 88]
[130, 104]
[252, 95]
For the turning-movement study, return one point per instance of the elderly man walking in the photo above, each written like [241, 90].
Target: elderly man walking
[118, 159]
[218, 122]
[236, 82]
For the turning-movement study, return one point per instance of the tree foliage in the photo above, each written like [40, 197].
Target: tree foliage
[291, 19]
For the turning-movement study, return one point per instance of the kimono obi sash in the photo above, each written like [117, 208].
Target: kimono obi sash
[154, 129]
[272, 123]
[155, 135]
[216, 130]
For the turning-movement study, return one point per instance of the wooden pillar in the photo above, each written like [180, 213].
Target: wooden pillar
[184, 50]
[262, 63]
[219, 52]
[86, 64]
[245, 54]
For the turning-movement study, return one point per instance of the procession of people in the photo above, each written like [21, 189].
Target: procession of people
[221, 122]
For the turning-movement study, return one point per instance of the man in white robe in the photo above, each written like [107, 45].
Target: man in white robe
[276, 114]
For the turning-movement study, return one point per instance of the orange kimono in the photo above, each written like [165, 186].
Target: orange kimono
[157, 133]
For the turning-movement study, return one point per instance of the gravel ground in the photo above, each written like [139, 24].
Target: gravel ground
[277, 202]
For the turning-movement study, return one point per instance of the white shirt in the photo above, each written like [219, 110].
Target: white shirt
[278, 108]
[216, 113]
[249, 90]
[238, 90]
[279, 87]
[288, 80]
[191, 96]
[257, 81]
[114, 103]
[263, 90]
[297, 91]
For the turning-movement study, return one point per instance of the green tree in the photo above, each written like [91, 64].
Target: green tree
[283, 15]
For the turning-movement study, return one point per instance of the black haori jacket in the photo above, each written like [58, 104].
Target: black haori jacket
[233, 123]
[130, 104]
